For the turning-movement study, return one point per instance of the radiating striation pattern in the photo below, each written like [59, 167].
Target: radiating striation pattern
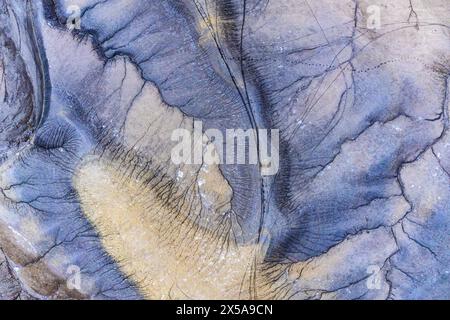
[92, 205]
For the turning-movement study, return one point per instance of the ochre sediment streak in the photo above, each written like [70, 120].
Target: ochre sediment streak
[166, 254]
[34, 272]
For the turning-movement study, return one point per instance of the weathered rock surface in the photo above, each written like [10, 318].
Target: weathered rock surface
[91, 205]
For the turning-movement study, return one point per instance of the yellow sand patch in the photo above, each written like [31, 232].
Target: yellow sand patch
[167, 254]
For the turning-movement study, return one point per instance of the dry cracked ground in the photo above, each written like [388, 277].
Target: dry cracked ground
[93, 207]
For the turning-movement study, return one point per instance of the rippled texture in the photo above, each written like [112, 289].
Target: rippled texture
[91, 205]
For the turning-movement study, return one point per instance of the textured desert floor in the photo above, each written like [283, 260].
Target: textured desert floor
[355, 94]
